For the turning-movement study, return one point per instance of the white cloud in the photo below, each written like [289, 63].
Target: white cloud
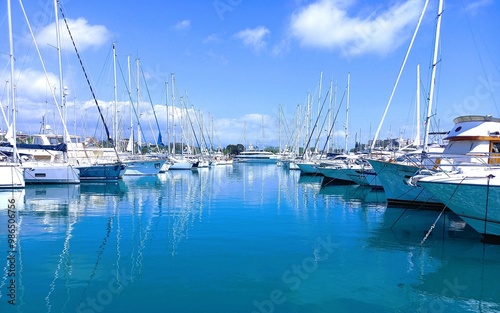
[32, 85]
[84, 34]
[211, 38]
[185, 24]
[253, 38]
[474, 6]
[329, 24]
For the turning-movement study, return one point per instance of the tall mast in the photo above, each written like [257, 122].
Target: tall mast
[115, 95]
[139, 135]
[308, 119]
[173, 112]
[61, 80]
[377, 132]
[433, 76]
[417, 138]
[319, 103]
[59, 58]
[330, 112]
[347, 113]
[12, 87]
[131, 139]
[334, 110]
[320, 87]
[167, 148]
[279, 131]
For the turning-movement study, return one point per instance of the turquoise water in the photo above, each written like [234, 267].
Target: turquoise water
[246, 238]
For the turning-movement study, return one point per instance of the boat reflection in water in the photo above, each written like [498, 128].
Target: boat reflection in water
[450, 266]
[355, 195]
[221, 239]
[104, 188]
[52, 203]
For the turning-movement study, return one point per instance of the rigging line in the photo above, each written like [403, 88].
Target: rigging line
[442, 211]
[88, 82]
[152, 106]
[192, 127]
[204, 130]
[399, 75]
[101, 80]
[52, 92]
[199, 121]
[481, 59]
[321, 129]
[314, 127]
[132, 102]
[333, 123]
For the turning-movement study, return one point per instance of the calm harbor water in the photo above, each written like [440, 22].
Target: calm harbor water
[246, 238]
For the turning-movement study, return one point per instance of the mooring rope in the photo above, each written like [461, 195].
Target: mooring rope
[442, 211]
[487, 201]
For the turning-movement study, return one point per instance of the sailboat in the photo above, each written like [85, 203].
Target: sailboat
[418, 179]
[53, 158]
[44, 172]
[336, 170]
[176, 161]
[138, 164]
[90, 168]
[11, 172]
[394, 174]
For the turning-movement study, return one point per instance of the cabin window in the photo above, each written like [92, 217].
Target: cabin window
[495, 147]
[40, 175]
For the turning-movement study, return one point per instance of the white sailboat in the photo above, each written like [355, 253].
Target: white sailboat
[11, 172]
[39, 172]
[393, 175]
[335, 170]
[138, 164]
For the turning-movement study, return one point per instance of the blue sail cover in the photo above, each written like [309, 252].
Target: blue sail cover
[160, 140]
[59, 147]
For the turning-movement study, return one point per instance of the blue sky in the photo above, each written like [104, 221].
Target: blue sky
[238, 61]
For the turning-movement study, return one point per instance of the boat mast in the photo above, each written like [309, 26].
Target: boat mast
[115, 95]
[61, 82]
[139, 135]
[167, 148]
[130, 145]
[347, 114]
[377, 132]
[12, 87]
[308, 124]
[319, 104]
[262, 122]
[59, 58]
[417, 138]
[279, 130]
[173, 112]
[330, 112]
[433, 76]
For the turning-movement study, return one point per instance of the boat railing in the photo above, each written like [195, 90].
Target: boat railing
[447, 162]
